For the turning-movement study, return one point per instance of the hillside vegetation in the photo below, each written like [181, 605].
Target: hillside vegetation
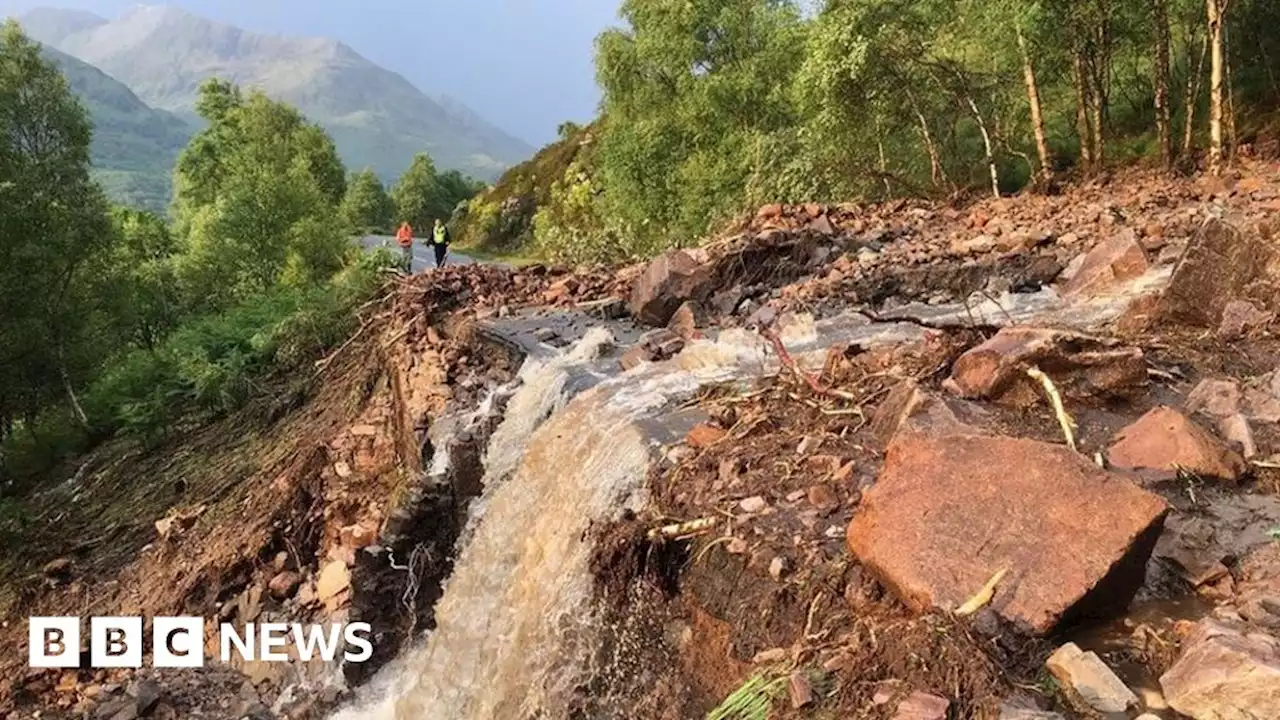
[715, 107]
[376, 117]
[117, 321]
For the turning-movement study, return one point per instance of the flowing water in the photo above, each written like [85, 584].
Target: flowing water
[516, 627]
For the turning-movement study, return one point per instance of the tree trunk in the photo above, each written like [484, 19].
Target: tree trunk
[1037, 118]
[1192, 98]
[1163, 119]
[1082, 111]
[936, 171]
[1231, 93]
[1216, 74]
[884, 167]
[986, 140]
[76, 409]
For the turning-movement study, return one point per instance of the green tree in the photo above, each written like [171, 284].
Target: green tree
[367, 207]
[256, 200]
[419, 197]
[53, 229]
[140, 280]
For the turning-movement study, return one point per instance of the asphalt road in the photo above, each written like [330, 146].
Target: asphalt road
[423, 257]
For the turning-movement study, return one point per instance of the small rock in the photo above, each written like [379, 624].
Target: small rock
[1090, 680]
[801, 691]
[1008, 712]
[1225, 672]
[59, 568]
[635, 357]
[333, 581]
[753, 505]
[777, 568]
[704, 435]
[686, 321]
[1165, 439]
[284, 585]
[1112, 262]
[823, 499]
[737, 546]
[768, 657]
[146, 694]
[1216, 398]
[973, 246]
[1241, 318]
[545, 335]
[342, 469]
[923, 706]
[1236, 430]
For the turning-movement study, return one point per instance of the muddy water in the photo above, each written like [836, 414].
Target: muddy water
[515, 624]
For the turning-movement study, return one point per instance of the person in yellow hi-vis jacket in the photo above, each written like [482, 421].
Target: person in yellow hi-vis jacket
[440, 240]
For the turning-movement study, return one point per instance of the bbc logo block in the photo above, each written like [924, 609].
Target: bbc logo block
[179, 642]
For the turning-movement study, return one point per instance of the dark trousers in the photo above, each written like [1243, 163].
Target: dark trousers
[441, 251]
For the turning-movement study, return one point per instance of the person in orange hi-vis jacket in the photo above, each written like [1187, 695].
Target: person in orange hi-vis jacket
[404, 237]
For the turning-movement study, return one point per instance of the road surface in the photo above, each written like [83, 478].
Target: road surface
[423, 257]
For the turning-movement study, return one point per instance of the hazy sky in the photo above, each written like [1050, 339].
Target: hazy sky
[525, 65]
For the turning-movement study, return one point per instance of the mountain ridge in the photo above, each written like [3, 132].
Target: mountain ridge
[377, 117]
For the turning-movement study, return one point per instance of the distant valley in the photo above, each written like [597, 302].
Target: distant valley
[139, 76]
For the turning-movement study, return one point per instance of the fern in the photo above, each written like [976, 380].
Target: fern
[752, 701]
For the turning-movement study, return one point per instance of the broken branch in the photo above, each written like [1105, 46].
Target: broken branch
[683, 531]
[771, 334]
[1055, 398]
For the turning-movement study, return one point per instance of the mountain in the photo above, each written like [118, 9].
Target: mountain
[377, 118]
[134, 146]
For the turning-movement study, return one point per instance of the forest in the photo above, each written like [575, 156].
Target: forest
[119, 320]
[713, 108]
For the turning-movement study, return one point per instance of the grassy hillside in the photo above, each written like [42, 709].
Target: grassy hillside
[134, 146]
[377, 118]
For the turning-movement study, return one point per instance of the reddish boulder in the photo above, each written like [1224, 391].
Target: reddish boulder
[1165, 439]
[1228, 260]
[667, 282]
[1225, 672]
[1082, 367]
[284, 585]
[950, 510]
[1258, 587]
[1115, 260]
[923, 706]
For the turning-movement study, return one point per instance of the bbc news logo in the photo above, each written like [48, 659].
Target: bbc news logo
[179, 642]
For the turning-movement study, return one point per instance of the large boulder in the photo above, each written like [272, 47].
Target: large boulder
[1082, 367]
[1225, 672]
[953, 508]
[669, 280]
[1116, 260]
[1229, 260]
[1165, 439]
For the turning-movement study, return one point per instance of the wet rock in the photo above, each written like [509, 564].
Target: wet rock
[1241, 318]
[1225, 673]
[1090, 681]
[1082, 367]
[667, 282]
[284, 585]
[922, 706]
[1228, 260]
[636, 356]
[704, 435]
[1074, 538]
[687, 320]
[1165, 439]
[1114, 261]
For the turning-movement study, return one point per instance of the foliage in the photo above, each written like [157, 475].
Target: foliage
[53, 232]
[422, 194]
[753, 701]
[367, 208]
[257, 197]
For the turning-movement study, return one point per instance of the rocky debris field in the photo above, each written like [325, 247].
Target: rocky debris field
[1053, 491]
